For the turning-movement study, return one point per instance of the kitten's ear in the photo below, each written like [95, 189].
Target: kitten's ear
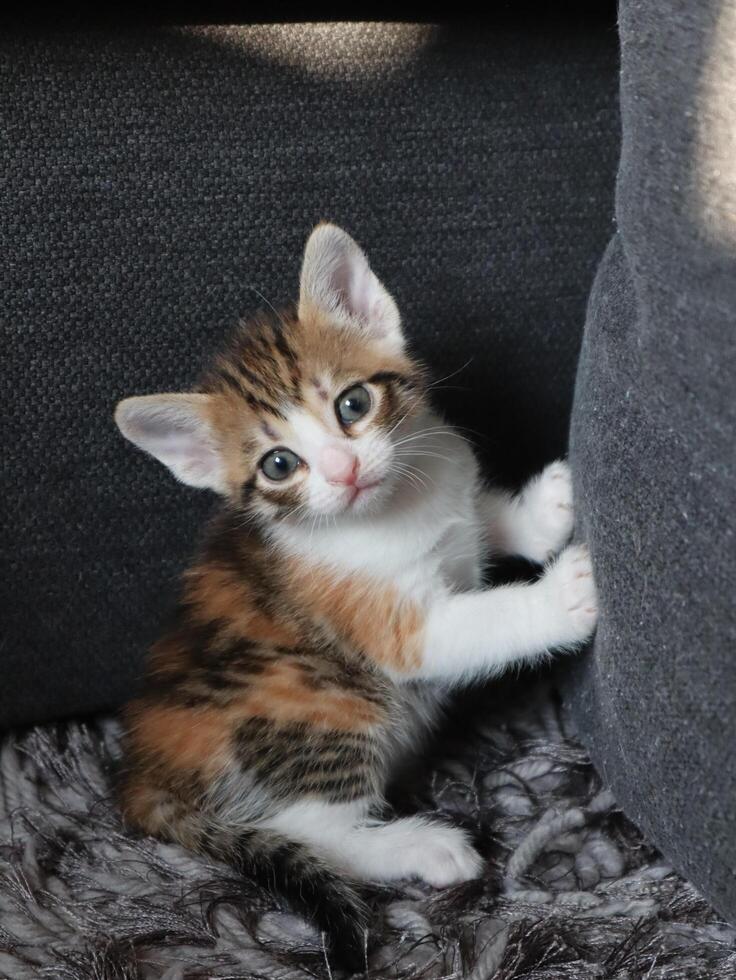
[175, 429]
[337, 280]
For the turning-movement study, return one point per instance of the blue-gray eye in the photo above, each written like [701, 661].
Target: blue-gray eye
[279, 463]
[353, 404]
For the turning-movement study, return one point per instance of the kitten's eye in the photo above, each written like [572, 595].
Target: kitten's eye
[353, 404]
[279, 464]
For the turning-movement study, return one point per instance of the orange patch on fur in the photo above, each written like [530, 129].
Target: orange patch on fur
[218, 594]
[233, 421]
[196, 739]
[199, 739]
[370, 616]
[323, 347]
[283, 695]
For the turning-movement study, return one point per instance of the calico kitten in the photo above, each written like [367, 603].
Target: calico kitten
[336, 600]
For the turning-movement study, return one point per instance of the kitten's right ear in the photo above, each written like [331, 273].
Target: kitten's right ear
[176, 430]
[337, 280]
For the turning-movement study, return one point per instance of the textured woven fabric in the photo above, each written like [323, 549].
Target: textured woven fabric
[570, 890]
[653, 447]
[151, 180]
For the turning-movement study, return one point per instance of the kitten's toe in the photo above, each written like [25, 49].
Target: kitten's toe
[549, 499]
[448, 858]
[572, 594]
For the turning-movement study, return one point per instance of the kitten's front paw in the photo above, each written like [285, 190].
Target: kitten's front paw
[572, 594]
[547, 500]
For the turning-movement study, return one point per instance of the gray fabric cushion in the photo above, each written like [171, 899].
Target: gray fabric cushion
[149, 177]
[654, 447]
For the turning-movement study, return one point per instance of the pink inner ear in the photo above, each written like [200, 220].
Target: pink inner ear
[199, 463]
[378, 319]
[360, 290]
[362, 285]
[337, 278]
[172, 429]
[189, 454]
[355, 285]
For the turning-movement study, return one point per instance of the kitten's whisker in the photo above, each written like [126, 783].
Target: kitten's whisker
[451, 388]
[417, 453]
[403, 418]
[433, 430]
[432, 449]
[268, 303]
[417, 436]
[408, 473]
[413, 473]
[417, 446]
[452, 374]
[453, 429]
[423, 475]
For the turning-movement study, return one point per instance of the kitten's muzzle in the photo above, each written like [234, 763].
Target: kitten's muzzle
[339, 466]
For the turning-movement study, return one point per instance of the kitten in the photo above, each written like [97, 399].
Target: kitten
[336, 601]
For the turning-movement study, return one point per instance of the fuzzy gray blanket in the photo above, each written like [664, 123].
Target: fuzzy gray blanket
[571, 890]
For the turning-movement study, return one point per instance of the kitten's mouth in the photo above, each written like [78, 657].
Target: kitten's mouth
[360, 490]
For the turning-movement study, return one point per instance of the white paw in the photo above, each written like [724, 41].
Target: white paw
[547, 502]
[446, 857]
[572, 595]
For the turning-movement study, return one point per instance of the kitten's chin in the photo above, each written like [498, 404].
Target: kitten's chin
[357, 501]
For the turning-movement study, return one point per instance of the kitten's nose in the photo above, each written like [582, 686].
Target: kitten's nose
[338, 466]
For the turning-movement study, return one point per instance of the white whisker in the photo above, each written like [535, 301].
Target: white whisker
[268, 303]
[452, 374]
[417, 453]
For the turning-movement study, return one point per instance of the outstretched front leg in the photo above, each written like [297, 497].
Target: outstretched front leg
[458, 637]
[472, 635]
[536, 523]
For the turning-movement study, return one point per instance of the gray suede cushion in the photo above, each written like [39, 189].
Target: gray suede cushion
[654, 447]
[149, 178]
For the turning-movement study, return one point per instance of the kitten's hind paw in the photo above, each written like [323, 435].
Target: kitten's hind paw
[447, 857]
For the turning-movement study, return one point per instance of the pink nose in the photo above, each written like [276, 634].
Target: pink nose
[338, 466]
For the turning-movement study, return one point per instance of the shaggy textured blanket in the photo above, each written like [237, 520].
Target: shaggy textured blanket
[571, 889]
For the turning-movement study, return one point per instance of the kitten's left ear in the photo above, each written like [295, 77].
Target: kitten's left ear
[337, 280]
[175, 429]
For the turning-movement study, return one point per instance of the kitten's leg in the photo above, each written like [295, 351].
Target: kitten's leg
[412, 847]
[476, 634]
[536, 523]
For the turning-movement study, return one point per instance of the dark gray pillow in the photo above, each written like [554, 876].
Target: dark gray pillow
[149, 178]
[654, 447]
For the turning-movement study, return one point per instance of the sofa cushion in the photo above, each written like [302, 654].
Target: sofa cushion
[653, 447]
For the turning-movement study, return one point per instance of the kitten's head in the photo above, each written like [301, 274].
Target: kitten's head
[302, 415]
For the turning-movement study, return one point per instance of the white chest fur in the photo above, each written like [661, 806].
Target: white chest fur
[426, 540]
